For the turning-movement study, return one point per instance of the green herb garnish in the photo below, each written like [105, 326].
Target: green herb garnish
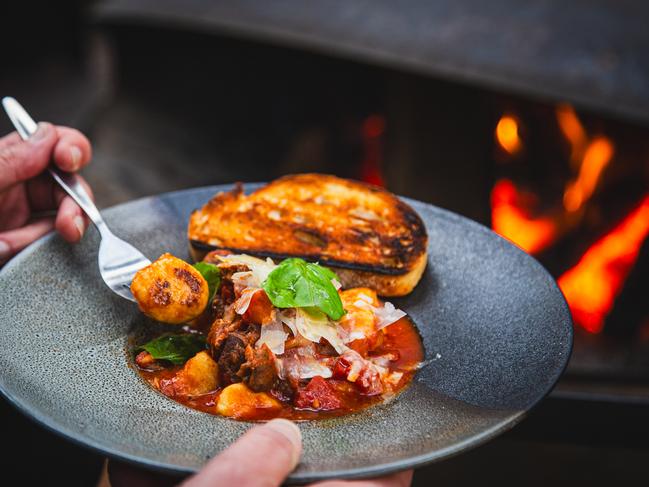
[177, 349]
[296, 283]
[212, 275]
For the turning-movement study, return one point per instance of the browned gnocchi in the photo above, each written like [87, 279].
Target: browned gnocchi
[170, 290]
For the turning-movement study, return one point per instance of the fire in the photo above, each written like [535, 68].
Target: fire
[596, 157]
[507, 134]
[592, 285]
[590, 156]
[574, 133]
[510, 220]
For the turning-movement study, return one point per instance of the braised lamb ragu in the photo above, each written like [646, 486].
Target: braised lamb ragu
[256, 361]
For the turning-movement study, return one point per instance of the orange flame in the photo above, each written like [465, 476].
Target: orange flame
[507, 134]
[593, 284]
[574, 133]
[512, 222]
[597, 156]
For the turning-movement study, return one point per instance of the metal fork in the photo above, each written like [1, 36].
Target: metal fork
[118, 260]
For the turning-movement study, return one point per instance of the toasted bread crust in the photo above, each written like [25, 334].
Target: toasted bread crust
[359, 230]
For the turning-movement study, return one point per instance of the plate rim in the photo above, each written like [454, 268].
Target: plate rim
[302, 478]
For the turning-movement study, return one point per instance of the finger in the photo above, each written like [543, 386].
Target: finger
[264, 456]
[73, 150]
[14, 241]
[45, 194]
[70, 222]
[401, 479]
[40, 193]
[10, 139]
[21, 160]
[14, 213]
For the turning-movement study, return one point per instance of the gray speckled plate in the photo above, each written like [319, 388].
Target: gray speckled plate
[495, 327]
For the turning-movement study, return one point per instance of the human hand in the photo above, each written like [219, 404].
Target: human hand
[27, 190]
[264, 456]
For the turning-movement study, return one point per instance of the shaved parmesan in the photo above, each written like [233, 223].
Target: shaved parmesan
[383, 360]
[314, 328]
[259, 268]
[300, 363]
[366, 298]
[287, 316]
[393, 378]
[358, 364]
[387, 314]
[359, 303]
[242, 304]
[350, 335]
[274, 336]
[354, 370]
[243, 280]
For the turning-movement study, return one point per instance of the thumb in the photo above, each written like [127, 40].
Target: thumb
[21, 160]
[264, 456]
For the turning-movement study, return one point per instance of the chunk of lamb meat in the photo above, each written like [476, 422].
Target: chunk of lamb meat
[260, 369]
[221, 304]
[222, 328]
[231, 358]
[232, 354]
[227, 269]
[217, 257]
[145, 360]
[284, 391]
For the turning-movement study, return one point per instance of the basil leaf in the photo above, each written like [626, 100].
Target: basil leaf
[177, 349]
[212, 275]
[298, 284]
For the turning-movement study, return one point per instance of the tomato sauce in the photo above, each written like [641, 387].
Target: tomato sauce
[401, 340]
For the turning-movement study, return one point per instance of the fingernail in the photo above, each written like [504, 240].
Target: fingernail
[42, 132]
[291, 431]
[5, 250]
[75, 155]
[80, 224]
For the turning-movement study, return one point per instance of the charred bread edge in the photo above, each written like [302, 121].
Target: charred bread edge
[199, 249]
[390, 285]
[385, 284]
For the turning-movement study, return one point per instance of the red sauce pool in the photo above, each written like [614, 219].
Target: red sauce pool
[401, 337]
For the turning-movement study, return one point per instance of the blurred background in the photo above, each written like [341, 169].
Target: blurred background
[531, 117]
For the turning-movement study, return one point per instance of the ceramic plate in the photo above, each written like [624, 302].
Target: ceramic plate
[495, 327]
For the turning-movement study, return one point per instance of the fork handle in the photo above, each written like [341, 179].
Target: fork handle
[26, 127]
[70, 183]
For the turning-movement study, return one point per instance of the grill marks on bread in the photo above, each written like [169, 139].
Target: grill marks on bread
[336, 222]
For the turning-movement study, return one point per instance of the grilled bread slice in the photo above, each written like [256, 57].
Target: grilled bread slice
[366, 234]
